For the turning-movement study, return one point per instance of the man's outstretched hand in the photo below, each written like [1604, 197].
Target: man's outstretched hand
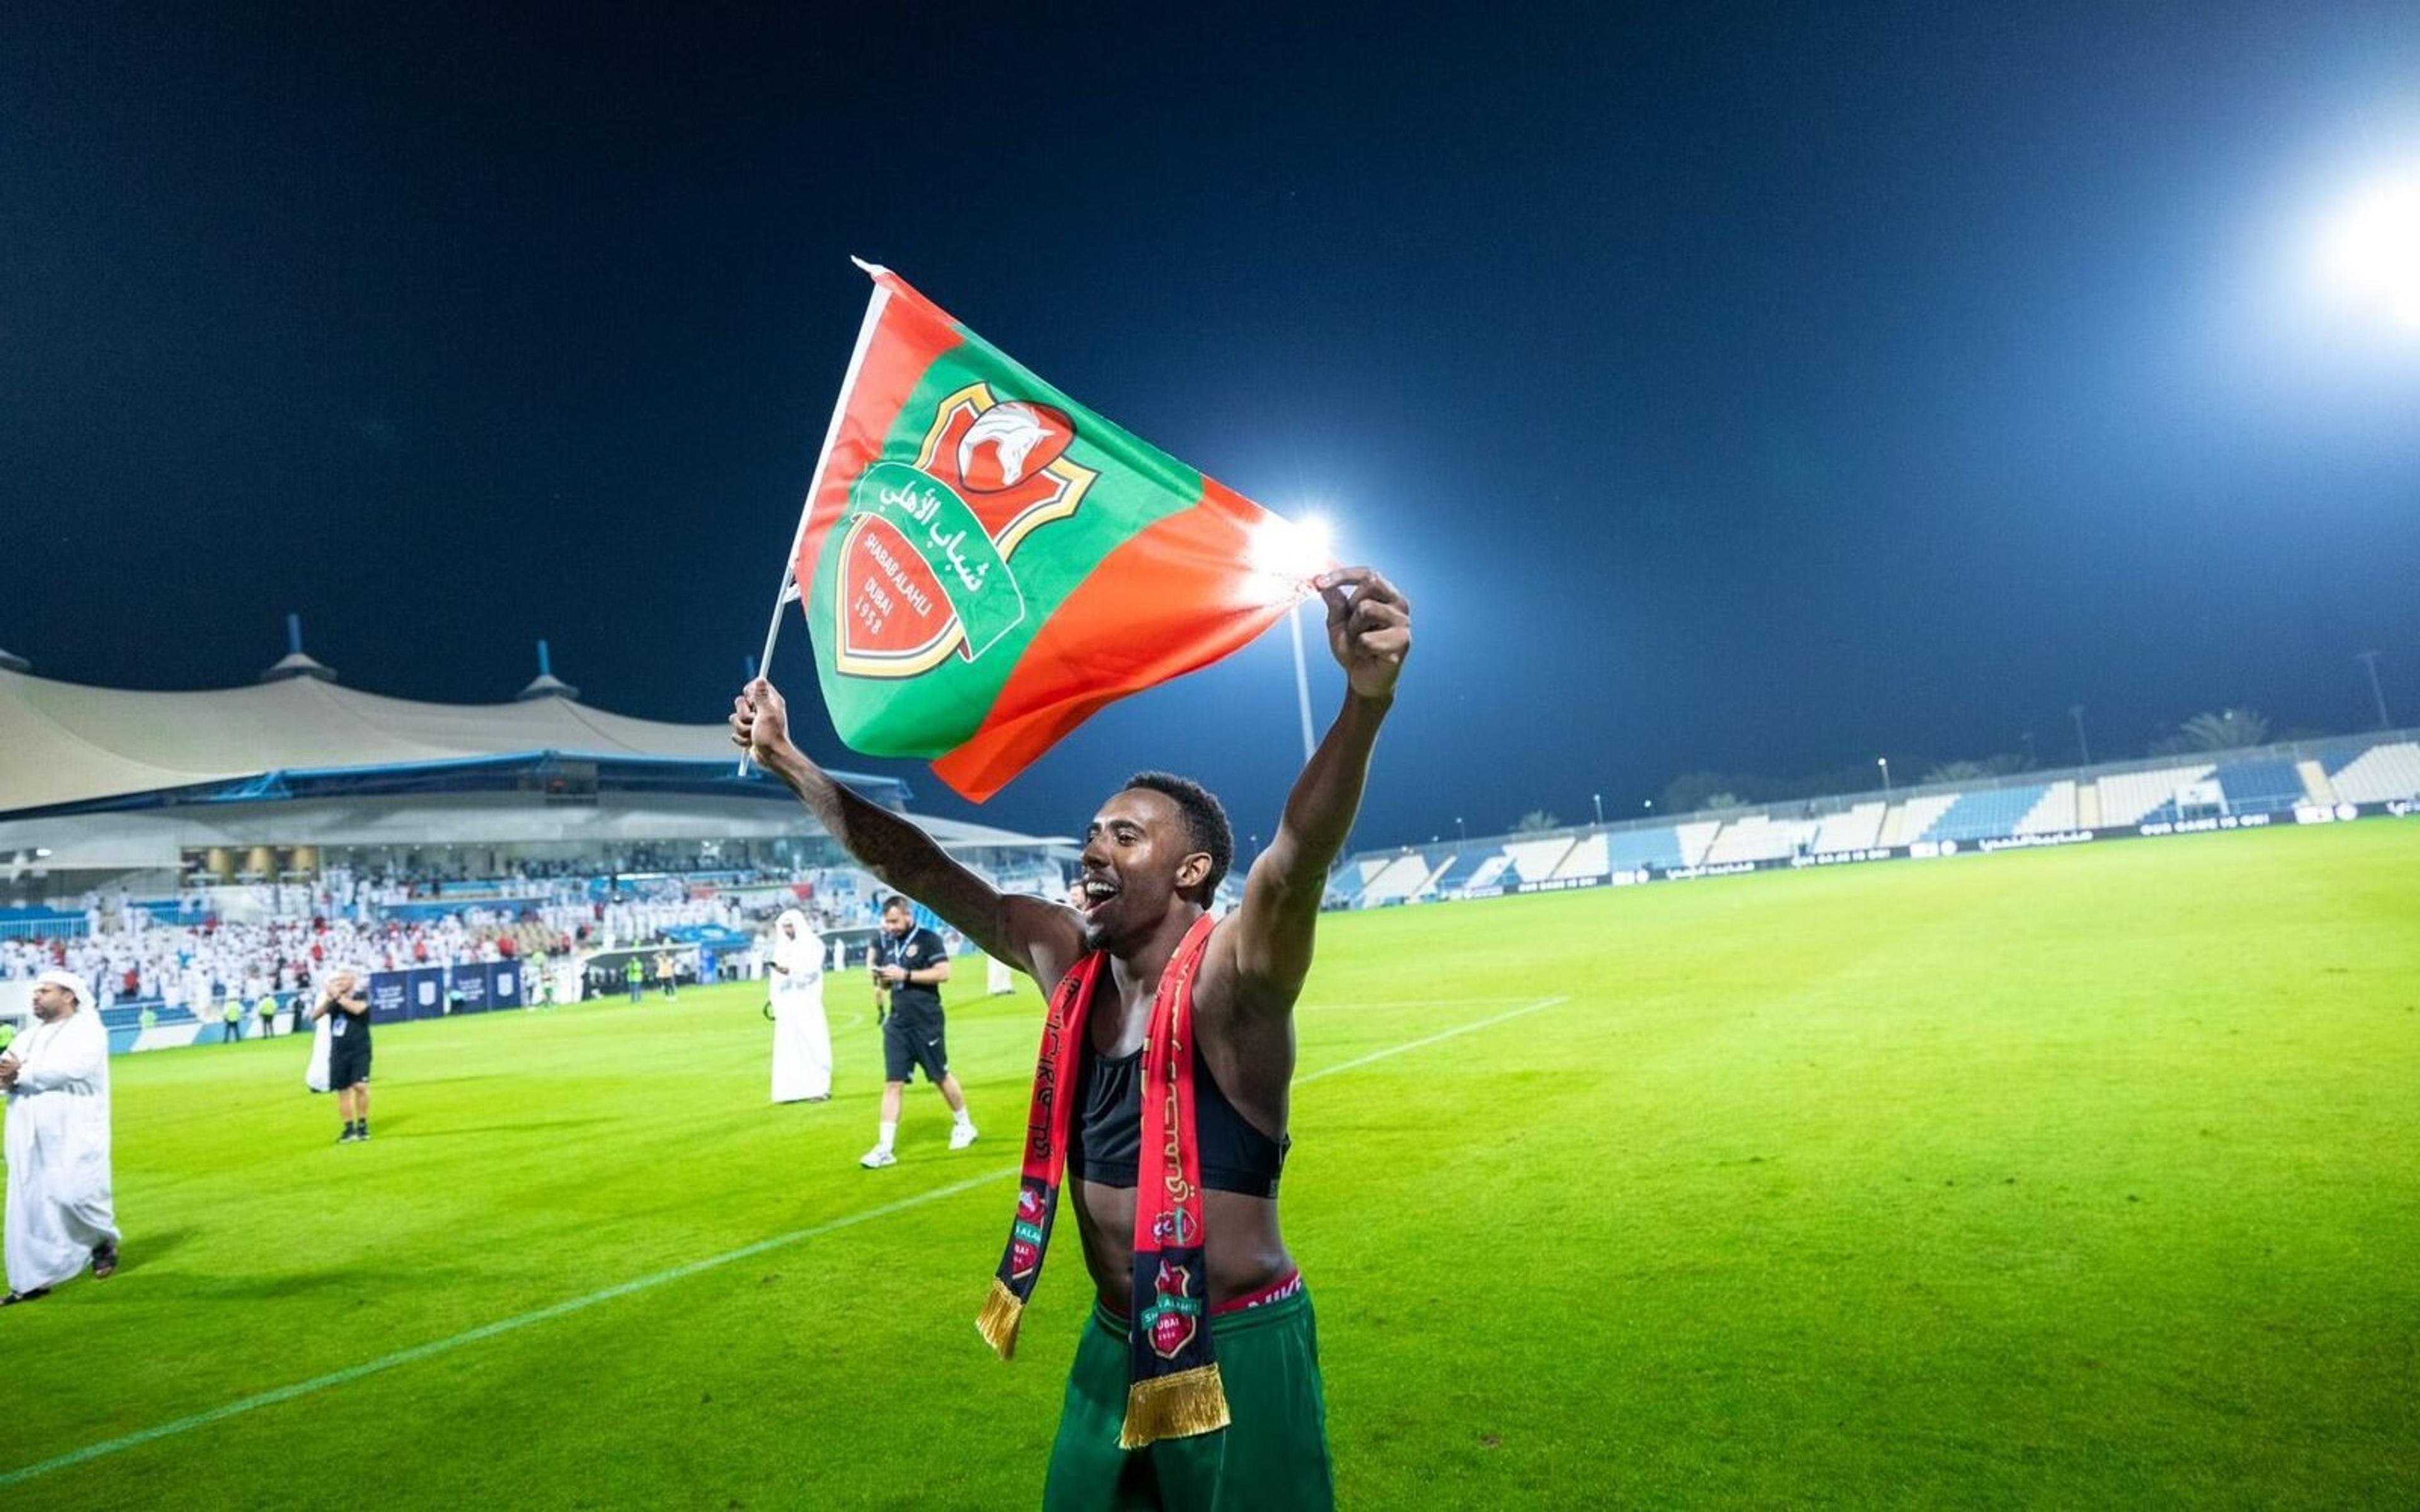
[760, 723]
[1369, 630]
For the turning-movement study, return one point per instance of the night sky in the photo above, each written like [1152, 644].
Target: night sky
[1751, 389]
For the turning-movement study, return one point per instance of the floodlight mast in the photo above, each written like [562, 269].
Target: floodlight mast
[1301, 681]
[2370, 660]
[1308, 542]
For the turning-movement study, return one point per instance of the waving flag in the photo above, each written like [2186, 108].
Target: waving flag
[984, 561]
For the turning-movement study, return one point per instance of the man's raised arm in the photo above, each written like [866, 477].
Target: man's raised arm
[899, 854]
[1370, 632]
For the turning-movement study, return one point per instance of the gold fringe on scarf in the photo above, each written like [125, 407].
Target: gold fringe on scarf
[998, 1321]
[1174, 1407]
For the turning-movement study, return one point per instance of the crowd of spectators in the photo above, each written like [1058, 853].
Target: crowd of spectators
[193, 958]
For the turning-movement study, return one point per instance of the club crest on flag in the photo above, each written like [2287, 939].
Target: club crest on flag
[927, 549]
[984, 561]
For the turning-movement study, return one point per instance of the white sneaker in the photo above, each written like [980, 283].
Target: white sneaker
[877, 1157]
[962, 1135]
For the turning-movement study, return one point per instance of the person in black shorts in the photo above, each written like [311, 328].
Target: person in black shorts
[912, 964]
[348, 1052]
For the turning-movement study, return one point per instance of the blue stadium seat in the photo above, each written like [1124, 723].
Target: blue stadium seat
[1466, 866]
[2262, 786]
[1988, 814]
[1631, 850]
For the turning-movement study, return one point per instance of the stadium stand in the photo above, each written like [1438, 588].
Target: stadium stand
[1695, 840]
[1587, 860]
[1988, 814]
[1397, 880]
[1534, 860]
[1457, 871]
[1640, 850]
[2261, 787]
[1759, 837]
[1495, 871]
[2380, 774]
[1857, 828]
[2053, 813]
[2270, 780]
[2316, 787]
[2128, 797]
[1910, 820]
[184, 850]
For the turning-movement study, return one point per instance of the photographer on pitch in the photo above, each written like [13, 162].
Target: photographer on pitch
[911, 964]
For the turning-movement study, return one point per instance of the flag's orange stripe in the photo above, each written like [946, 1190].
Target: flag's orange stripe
[1174, 596]
[912, 336]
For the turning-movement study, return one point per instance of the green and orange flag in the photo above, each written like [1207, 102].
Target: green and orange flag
[984, 561]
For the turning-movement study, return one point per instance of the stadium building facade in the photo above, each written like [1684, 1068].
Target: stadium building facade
[272, 783]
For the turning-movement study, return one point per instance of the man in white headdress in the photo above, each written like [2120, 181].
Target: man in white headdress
[60, 1215]
[802, 1058]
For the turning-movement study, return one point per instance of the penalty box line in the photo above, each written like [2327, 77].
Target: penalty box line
[646, 1283]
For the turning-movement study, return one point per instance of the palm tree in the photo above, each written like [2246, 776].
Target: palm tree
[2228, 730]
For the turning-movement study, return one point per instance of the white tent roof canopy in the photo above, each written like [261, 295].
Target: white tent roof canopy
[65, 742]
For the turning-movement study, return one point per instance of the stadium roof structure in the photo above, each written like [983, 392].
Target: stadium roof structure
[69, 749]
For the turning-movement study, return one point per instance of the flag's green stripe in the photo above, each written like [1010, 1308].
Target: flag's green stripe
[1139, 486]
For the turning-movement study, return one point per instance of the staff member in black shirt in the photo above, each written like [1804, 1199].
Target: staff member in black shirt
[348, 1052]
[912, 964]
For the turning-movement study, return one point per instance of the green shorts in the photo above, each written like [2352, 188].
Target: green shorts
[1273, 1458]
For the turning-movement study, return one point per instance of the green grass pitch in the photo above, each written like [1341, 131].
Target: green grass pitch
[2065, 1179]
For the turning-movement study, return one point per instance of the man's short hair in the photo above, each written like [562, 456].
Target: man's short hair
[1205, 823]
[894, 900]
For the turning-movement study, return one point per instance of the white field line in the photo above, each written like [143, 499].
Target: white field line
[646, 1283]
[1536, 1005]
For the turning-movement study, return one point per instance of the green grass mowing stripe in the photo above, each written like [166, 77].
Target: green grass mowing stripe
[486, 1331]
[1473, 1027]
[645, 1282]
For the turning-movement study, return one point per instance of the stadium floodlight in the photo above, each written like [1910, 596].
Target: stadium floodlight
[2371, 248]
[1295, 551]
[2377, 690]
[1598, 798]
[1884, 762]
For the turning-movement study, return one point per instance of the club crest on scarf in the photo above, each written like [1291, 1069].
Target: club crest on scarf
[1173, 1388]
[1168, 1322]
[1027, 1235]
[927, 547]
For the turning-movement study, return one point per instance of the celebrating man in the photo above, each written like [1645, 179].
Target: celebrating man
[57, 1077]
[1164, 1076]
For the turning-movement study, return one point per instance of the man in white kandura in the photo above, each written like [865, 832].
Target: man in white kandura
[802, 1058]
[56, 1075]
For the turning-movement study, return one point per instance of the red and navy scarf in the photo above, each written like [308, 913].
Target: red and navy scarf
[1173, 1390]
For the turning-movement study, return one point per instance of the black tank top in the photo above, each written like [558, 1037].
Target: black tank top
[1236, 1157]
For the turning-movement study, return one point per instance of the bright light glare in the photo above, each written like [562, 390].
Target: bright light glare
[2371, 250]
[1296, 551]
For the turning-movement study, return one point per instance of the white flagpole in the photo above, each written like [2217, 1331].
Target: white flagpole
[790, 591]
